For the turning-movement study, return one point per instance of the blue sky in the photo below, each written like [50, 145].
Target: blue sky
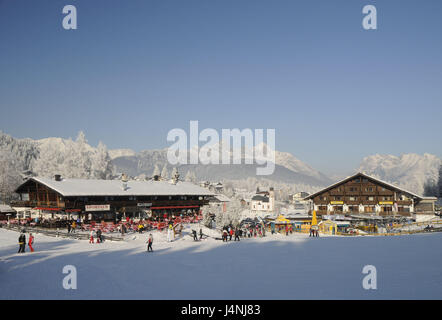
[133, 70]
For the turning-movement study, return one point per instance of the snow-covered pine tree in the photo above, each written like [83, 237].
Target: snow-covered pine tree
[165, 173]
[207, 219]
[10, 177]
[188, 177]
[156, 171]
[102, 167]
[439, 183]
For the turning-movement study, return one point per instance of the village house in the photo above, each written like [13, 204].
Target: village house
[263, 201]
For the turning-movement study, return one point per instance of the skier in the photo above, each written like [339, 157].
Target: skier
[69, 227]
[22, 243]
[230, 233]
[224, 234]
[237, 235]
[99, 237]
[91, 239]
[74, 225]
[195, 236]
[201, 233]
[286, 230]
[149, 242]
[31, 242]
[169, 232]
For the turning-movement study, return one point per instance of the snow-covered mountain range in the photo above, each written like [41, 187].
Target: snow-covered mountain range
[409, 171]
[288, 169]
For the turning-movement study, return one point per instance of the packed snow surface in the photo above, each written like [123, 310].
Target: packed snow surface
[274, 267]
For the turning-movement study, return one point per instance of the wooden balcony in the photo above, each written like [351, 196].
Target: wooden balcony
[34, 203]
[352, 192]
[385, 192]
[352, 203]
[404, 202]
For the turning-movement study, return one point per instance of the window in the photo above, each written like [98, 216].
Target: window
[25, 196]
[370, 198]
[353, 198]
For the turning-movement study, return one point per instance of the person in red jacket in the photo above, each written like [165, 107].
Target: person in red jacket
[31, 242]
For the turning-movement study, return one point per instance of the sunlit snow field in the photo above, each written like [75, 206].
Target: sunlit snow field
[274, 267]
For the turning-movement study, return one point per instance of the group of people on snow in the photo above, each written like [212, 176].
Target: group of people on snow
[229, 232]
[22, 242]
[314, 231]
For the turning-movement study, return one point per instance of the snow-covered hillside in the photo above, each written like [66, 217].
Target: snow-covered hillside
[273, 267]
[115, 153]
[410, 171]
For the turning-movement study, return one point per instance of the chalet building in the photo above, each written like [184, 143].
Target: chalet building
[363, 194]
[110, 199]
[263, 201]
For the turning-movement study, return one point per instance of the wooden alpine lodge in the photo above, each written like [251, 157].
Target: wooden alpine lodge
[361, 194]
[109, 199]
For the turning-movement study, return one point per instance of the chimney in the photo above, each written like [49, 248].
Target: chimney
[57, 177]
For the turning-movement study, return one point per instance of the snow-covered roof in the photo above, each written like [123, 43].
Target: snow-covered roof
[222, 198]
[366, 176]
[4, 208]
[338, 223]
[260, 198]
[90, 187]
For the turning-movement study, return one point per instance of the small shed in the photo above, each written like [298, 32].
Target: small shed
[333, 227]
[6, 211]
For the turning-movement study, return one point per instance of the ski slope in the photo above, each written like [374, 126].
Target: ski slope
[274, 267]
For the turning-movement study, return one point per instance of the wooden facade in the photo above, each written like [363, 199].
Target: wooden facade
[362, 194]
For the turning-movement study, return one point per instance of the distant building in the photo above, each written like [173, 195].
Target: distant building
[361, 193]
[216, 187]
[299, 202]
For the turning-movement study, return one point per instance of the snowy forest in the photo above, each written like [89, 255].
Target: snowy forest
[20, 158]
